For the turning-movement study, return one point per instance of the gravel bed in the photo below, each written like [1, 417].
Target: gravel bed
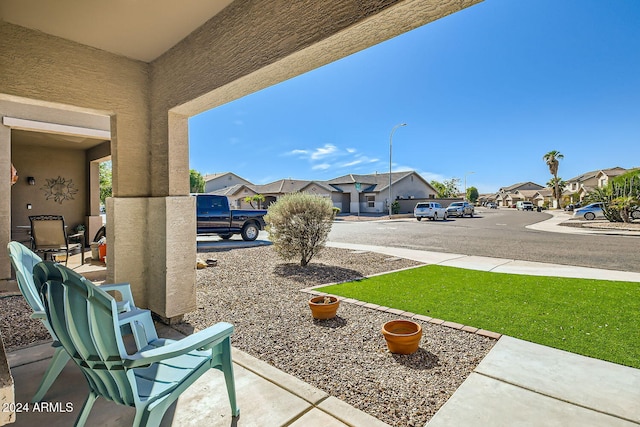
[346, 356]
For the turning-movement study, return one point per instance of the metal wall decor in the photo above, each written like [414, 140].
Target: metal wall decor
[59, 189]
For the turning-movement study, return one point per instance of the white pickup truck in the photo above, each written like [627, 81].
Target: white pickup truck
[431, 210]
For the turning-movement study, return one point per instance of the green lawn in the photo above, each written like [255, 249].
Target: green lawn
[596, 318]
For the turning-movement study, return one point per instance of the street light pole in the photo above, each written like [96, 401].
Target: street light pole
[390, 145]
[465, 184]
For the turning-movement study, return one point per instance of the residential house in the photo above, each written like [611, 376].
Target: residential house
[237, 195]
[350, 193]
[217, 181]
[578, 187]
[276, 189]
[543, 197]
[603, 176]
[370, 193]
[509, 196]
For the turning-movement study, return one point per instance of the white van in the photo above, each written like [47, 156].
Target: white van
[524, 206]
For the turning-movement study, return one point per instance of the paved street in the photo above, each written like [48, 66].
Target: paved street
[497, 233]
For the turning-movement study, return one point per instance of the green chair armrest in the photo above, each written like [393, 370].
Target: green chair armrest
[127, 297]
[204, 339]
[39, 315]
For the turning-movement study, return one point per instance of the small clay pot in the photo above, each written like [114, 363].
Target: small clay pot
[402, 336]
[321, 310]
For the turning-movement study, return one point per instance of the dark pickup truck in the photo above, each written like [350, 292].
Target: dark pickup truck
[215, 217]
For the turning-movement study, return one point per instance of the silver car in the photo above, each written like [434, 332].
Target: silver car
[460, 209]
[589, 212]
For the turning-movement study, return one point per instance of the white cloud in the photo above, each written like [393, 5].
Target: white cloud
[325, 151]
[430, 176]
[321, 166]
[353, 163]
[297, 153]
[351, 150]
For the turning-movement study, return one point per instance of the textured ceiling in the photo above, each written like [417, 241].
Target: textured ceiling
[138, 29]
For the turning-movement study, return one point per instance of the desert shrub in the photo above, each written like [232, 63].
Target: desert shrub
[298, 225]
[620, 196]
[336, 211]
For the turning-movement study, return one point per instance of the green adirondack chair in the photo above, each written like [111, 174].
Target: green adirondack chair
[131, 319]
[85, 320]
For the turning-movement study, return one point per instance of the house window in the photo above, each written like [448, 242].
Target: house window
[371, 201]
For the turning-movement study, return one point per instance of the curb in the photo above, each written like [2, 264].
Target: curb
[453, 325]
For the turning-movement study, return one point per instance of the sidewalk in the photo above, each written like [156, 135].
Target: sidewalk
[552, 225]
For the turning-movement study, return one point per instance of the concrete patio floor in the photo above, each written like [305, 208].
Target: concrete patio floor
[266, 397]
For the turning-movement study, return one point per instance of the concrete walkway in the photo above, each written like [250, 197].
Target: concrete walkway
[266, 397]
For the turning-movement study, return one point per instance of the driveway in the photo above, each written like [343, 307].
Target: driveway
[212, 241]
[500, 233]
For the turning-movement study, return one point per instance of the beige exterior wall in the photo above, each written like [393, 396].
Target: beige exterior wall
[60, 79]
[251, 45]
[224, 181]
[237, 200]
[411, 186]
[45, 164]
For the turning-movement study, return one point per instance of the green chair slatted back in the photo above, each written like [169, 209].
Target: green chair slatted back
[130, 319]
[23, 260]
[85, 320]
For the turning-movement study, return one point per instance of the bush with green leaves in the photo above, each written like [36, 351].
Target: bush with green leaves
[620, 197]
[298, 225]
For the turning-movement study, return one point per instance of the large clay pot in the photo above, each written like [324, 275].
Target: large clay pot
[403, 336]
[320, 309]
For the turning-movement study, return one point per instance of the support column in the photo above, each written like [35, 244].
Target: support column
[161, 265]
[172, 262]
[5, 201]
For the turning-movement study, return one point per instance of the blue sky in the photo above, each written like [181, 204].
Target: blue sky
[489, 90]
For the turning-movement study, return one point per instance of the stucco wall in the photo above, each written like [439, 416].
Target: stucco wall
[410, 186]
[224, 181]
[65, 76]
[37, 66]
[48, 164]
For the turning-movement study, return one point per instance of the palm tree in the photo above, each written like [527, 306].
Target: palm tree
[552, 158]
[552, 184]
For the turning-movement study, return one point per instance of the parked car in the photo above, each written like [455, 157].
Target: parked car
[636, 213]
[460, 209]
[431, 210]
[572, 206]
[524, 206]
[214, 216]
[589, 212]
[491, 205]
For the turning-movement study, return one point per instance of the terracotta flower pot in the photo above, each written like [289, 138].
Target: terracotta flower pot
[324, 307]
[403, 336]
